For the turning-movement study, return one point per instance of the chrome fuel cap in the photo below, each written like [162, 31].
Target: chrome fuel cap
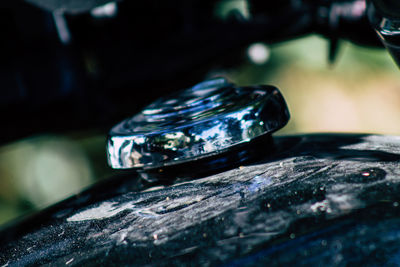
[205, 120]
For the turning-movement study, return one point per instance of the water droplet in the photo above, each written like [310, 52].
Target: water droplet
[366, 176]
[292, 236]
[322, 206]
[395, 204]
[324, 243]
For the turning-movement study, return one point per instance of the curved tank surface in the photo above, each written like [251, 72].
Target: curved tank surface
[315, 199]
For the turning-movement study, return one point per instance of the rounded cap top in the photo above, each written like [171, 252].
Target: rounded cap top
[201, 121]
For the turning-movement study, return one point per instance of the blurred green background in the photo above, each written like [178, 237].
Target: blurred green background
[359, 93]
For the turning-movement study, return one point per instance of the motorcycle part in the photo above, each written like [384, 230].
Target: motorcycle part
[384, 15]
[329, 200]
[206, 120]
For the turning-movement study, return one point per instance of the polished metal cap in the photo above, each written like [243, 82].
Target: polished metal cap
[208, 119]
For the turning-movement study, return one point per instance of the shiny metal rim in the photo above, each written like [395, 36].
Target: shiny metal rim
[202, 121]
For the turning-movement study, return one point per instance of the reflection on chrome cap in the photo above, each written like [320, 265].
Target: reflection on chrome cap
[205, 120]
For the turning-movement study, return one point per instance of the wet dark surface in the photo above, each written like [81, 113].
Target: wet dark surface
[319, 199]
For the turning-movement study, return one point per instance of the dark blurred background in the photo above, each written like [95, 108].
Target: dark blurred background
[54, 150]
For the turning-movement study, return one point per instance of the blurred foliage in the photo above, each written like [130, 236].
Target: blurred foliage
[42, 170]
[359, 93]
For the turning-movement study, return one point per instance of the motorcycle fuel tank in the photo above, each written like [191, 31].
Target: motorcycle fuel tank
[301, 199]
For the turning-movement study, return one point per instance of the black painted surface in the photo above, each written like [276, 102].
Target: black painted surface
[319, 199]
